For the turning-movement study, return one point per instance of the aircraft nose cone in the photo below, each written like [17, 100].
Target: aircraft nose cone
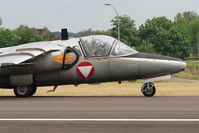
[182, 65]
[177, 66]
[157, 65]
[171, 65]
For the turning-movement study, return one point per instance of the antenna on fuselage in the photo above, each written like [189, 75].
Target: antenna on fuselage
[64, 34]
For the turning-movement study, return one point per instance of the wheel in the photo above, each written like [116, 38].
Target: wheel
[22, 91]
[148, 89]
[33, 90]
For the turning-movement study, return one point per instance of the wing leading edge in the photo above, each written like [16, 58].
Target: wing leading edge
[19, 54]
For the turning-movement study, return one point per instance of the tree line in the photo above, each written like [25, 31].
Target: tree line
[24, 34]
[177, 38]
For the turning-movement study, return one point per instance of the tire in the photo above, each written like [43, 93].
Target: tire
[22, 91]
[33, 90]
[148, 92]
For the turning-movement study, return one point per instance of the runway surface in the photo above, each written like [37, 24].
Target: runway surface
[95, 108]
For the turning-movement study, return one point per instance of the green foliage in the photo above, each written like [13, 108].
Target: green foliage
[86, 32]
[160, 35]
[46, 34]
[189, 21]
[192, 70]
[7, 38]
[146, 46]
[186, 17]
[167, 37]
[91, 32]
[128, 32]
[98, 32]
[24, 34]
[27, 35]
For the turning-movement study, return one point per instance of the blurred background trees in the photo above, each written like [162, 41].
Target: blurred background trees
[7, 38]
[24, 34]
[189, 21]
[178, 38]
[128, 31]
[27, 35]
[165, 37]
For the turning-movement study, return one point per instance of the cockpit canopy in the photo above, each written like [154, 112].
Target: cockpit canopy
[101, 46]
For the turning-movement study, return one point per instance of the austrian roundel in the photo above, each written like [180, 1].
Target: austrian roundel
[85, 70]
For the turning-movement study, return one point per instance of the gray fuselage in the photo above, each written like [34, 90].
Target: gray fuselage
[44, 71]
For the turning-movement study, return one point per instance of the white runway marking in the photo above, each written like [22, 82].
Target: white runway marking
[105, 120]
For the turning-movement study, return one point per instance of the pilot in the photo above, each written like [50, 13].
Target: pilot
[98, 47]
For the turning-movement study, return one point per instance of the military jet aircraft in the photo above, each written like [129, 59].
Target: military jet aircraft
[90, 59]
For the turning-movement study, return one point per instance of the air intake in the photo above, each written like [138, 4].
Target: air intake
[64, 34]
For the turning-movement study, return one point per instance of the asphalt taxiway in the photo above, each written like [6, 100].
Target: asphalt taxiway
[99, 114]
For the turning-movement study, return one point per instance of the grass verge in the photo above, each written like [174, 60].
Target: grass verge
[114, 89]
[191, 72]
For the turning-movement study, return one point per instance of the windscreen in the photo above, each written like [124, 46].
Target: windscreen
[97, 46]
[121, 49]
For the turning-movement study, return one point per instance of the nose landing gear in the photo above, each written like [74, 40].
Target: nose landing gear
[148, 89]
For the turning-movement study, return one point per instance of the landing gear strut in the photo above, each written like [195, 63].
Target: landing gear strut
[148, 89]
[25, 91]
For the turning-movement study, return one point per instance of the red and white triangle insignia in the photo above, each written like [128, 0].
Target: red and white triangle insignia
[85, 70]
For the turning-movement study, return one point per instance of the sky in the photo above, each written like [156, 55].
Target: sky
[78, 15]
